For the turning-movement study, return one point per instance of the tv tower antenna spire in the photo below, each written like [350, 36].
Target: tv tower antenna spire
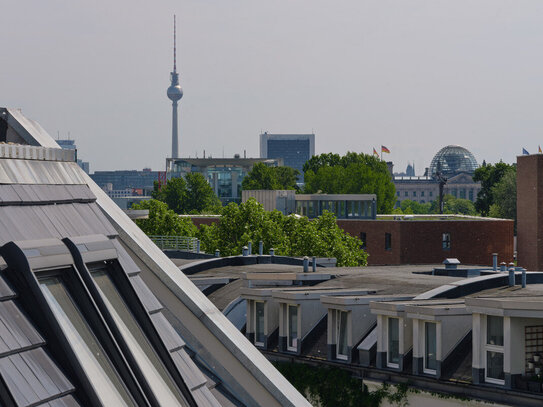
[174, 45]
[175, 93]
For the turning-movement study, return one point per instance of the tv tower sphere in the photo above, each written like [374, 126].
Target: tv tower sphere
[174, 91]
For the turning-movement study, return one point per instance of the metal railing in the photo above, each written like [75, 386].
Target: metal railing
[189, 244]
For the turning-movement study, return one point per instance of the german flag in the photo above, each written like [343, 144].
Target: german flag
[375, 152]
[385, 150]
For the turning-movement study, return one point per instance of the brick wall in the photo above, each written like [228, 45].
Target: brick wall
[420, 242]
[530, 211]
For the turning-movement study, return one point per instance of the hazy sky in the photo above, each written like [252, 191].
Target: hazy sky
[411, 75]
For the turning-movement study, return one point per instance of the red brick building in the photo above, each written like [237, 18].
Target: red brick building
[471, 240]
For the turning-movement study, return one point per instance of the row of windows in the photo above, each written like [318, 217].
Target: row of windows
[445, 240]
[457, 193]
[414, 193]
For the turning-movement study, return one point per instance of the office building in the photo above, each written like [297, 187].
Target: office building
[294, 149]
[223, 174]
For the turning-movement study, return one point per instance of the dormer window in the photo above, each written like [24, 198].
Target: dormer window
[393, 358]
[342, 349]
[259, 323]
[292, 328]
[494, 351]
[430, 347]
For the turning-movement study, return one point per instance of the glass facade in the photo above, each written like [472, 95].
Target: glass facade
[295, 153]
[341, 208]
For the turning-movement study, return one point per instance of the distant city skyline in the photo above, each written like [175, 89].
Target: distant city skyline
[412, 75]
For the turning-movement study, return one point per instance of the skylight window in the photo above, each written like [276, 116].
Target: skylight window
[160, 382]
[97, 366]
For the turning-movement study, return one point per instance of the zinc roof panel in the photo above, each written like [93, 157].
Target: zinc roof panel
[150, 302]
[66, 401]
[33, 382]
[8, 194]
[46, 369]
[167, 333]
[204, 397]
[16, 383]
[7, 337]
[127, 263]
[103, 220]
[19, 325]
[5, 289]
[189, 371]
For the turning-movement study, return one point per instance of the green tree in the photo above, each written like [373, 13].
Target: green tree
[452, 205]
[352, 173]
[489, 175]
[163, 221]
[415, 207]
[173, 194]
[200, 197]
[191, 194]
[287, 177]
[262, 176]
[288, 235]
[505, 197]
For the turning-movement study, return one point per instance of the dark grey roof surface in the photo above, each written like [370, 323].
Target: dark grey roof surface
[26, 368]
[35, 211]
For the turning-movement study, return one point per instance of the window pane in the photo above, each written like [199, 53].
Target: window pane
[393, 340]
[494, 365]
[151, 366]
[292, 326]
[259, 322]
[87, 349]
[430, 346]
[494, 330]
[342, 333]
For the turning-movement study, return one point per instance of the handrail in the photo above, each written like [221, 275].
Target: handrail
[185, 243]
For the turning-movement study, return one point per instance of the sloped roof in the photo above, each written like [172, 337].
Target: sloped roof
[44, 195]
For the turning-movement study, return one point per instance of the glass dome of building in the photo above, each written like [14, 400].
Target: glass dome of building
[453, 160]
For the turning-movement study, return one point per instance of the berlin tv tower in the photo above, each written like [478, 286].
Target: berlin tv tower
[174, 93]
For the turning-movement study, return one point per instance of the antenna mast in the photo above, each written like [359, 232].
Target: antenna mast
[174, 45]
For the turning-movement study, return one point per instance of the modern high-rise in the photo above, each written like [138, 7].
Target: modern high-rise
[294, 149]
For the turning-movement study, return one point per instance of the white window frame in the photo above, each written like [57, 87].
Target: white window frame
[341, 356]
[289, 347]
[492, 348]
[255, 324]
[392, 364]
[424, 368]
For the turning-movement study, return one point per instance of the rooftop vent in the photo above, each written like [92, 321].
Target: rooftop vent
[451, 264]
